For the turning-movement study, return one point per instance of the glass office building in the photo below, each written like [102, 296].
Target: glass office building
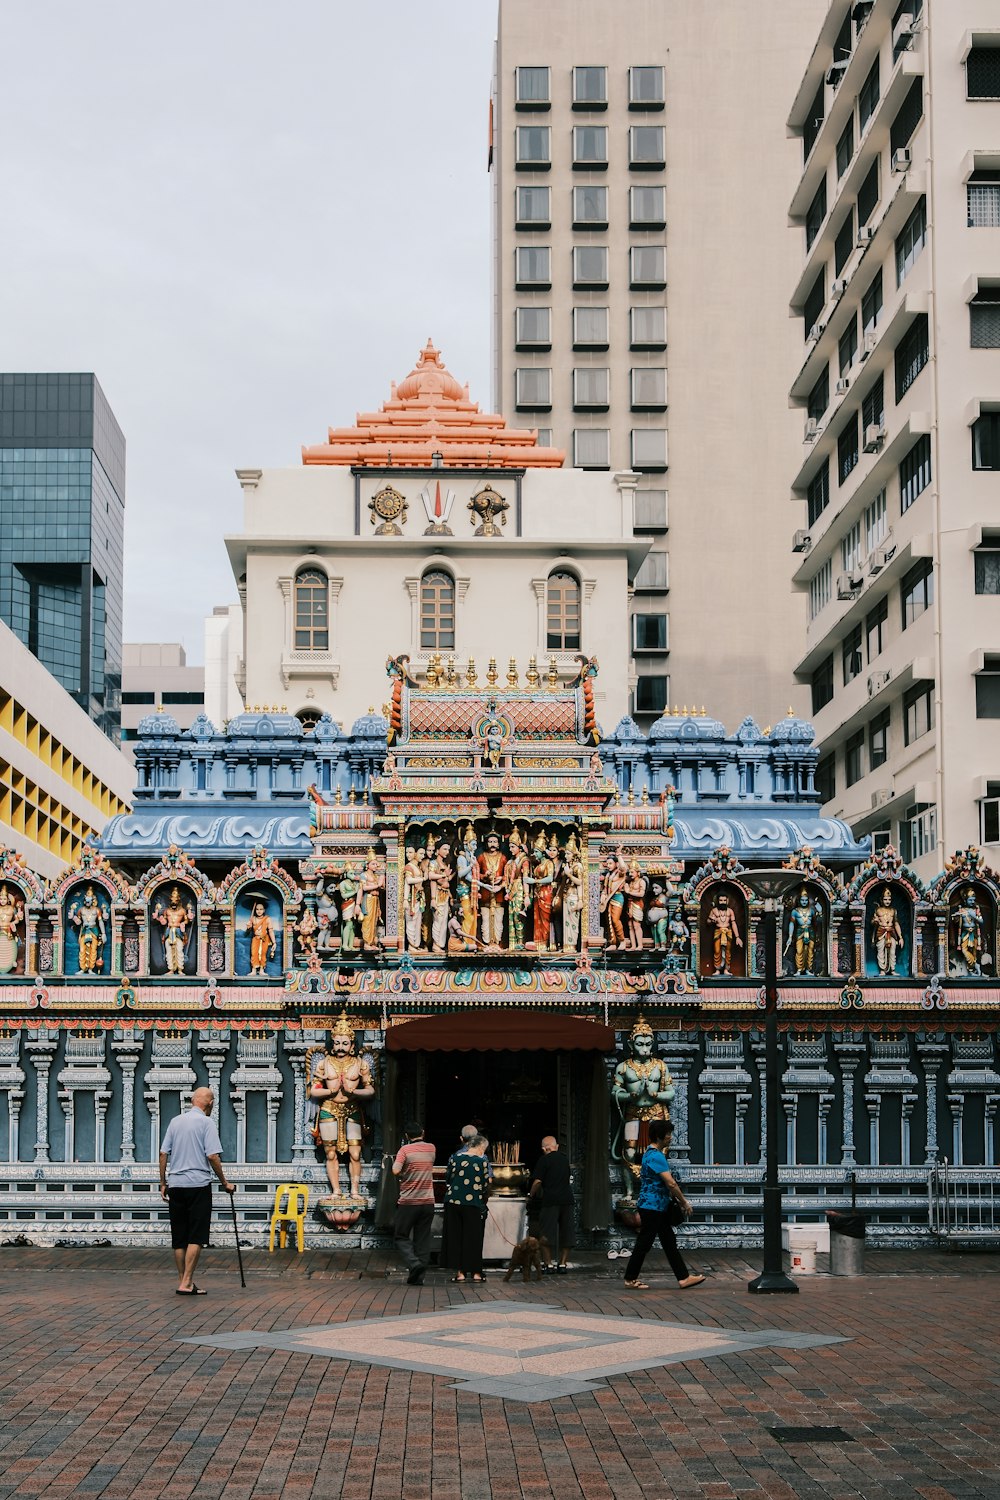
[62, 522]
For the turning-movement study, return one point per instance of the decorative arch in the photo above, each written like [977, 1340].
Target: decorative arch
[311, 609]
[195, 893]
[20, 889]
[967, 898]
[436, 606]
[90, 898]
[257, 881]
[563, 609]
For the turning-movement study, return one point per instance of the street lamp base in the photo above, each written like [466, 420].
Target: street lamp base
[773, 1281]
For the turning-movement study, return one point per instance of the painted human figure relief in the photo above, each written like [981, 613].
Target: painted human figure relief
[11, 930]
[88, 931]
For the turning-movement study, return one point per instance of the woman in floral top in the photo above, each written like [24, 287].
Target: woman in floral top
[467, 1184]
[657, 1186]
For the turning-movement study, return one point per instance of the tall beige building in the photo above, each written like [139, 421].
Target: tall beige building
[897, 298]
[641, 177]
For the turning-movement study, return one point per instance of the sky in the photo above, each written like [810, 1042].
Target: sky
[246, 217]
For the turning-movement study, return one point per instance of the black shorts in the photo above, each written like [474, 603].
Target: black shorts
[190, 1216]
[556, 1224]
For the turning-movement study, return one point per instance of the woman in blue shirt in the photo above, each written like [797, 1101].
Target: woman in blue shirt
[657, 1186]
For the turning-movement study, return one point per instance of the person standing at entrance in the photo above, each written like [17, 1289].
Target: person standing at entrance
[414, 1220]
[658, 1188]
[190, 1154]
[550, 1184]
[467, 1189]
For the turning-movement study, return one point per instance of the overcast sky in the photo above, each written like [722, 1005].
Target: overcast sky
[246, 216]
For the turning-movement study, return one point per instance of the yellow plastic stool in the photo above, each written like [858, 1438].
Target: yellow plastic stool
[295, 1196]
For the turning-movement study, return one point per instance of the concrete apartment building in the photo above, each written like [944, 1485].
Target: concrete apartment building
[640, 290]
[897, 302]
[155, 676]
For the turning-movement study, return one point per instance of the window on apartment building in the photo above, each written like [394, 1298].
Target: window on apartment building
[818, 493]
[876, 523]
[815, 214]
[652, 577]
[912, 353]
[868, 194]
[591, 447]
[591, 388]
[987, 571]
[814, 121]
[532, 266]
[983, 193]
[533, 327]
[908, 116]
[312, 611]
[648, 388]
[848, 448]
[136, 697]
[651, 694]
[844, 43]
[649, 448]
[820, 589]
[911, 8]
[843, 245]
[918, 711]
[918, 831]
[533, 207]
[989, 814]
[881, 837]
[178, 697]
[914, 472]
[437, 611]
[860, 11]
[982, 71]
[590, 207]
[825, 779]
[590, 265]
[649, 632]
[812, 308]
[854, 756]
[984, 318]
[590, 327]
[647, 327]
[873, 406]
[645, 87]
[562, 612]
[544, 435]
[647, 207]
[847, 348]
[821, 684]
[533, 389]
[646, 147]
[916, 592]
[910, 241]
[850, 651]
[845, 148]
[871, 304]
[819, 396]
[868, 97]
[533, 148]
[878, 740]
[649, 510]
[590, 88]
[590, 147]
[850, 549]
[531, 87]
[875, 628]
[648, 266]
[986, 441]
[988, 689]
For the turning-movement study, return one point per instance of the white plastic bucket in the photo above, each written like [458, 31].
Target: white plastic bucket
[803, 1257]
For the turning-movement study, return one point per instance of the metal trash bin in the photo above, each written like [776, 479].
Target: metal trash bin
[847, 1243]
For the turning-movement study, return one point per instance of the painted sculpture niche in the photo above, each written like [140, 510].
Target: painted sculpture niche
[11, 929]
[888, 924]
[344, 914]
[258, 936]
[642, 1090]
[88, 932]
[804, 935]
[340, 1083]
[723, 931]
[971, 932]
[173, 931]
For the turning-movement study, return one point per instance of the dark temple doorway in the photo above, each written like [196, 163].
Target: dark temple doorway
[511, 1096]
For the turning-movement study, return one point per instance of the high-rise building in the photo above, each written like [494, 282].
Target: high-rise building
[156, 675]
[62, 521]
[641, 264]
[898, 297]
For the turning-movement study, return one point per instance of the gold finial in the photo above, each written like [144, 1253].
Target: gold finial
[553, 675]
[432, 672]
[618, 794]
[512, 673]
[703, 710]
[492, 675]
[531, 675]
[684, 711]
[631, 795]
[386, 709]
[339, 797]
[284, 708]
[451, 677]
[790, 714]
[470, 673]
[767, 731]
[353, 797]
[645, 795]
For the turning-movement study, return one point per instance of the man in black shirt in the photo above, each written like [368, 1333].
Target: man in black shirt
[550, 1182]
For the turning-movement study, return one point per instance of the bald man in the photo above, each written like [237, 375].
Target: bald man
[190, 1153]
[551, 1185]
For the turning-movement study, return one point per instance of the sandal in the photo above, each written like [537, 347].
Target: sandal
[191, 1291]
[479, 1278]
[637, 1286]
[456, 1278]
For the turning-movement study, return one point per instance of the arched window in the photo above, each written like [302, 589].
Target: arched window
[437, 611]
[562, 613]
[309, 718]
[312, 611]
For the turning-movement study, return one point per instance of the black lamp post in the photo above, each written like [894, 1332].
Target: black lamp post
[771, 886]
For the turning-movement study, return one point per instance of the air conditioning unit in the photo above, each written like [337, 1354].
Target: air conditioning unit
[843, 386]
[845, 586]
[836, 71]
[877, 681]
[874, 437]
[878, 560]
[857, 578]
[882, 797]
[812, 430]
[840, 286]
[816, 332]
[868, 344]
[865, 235]
[901, 159]
[801, 541]
[902, 32]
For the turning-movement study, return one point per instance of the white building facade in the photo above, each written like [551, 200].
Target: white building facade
[155, 675]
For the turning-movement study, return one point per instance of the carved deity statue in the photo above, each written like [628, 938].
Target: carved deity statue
[887, 935]
[327, 918]
[726, 935]
[414, 898]
[642, 1089]
[635, 890]
[803, 946]
[11, 917]
[371, 903]
[263, 944]
[679, 950]
[542, 882]
[658, 917]
[347, 890]
[439, 877]
[969, 928]
[572, 901]
[88, 916]
[341, 1082]
[515, 872]
[175, 918]
[465, 883]
[490, 891]
[306, 930]
[613, 882]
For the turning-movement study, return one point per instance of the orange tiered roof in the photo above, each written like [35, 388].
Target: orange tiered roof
[430, 412]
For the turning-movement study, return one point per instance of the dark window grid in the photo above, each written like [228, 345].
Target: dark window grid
[918, 711]
[984, 321]
[988, 694]
[873, 406]
[813, 121]
[910, 241]
[908, 116]
[917, 591]
[822, 684]
[851, 658]
[854, 750]
[845, 148]
[847, 349]
[871, 304]
[982, 73]
[843, 245]
[875, 626]
[814, 303]
[987, 570]
[826, 778]
[847, 448]
[912, 354]
[986, 442]
[878, 740]
[868, 195]
[914, 472]
[869, 96]
[819, 396]
[815, 214]
[818, 497]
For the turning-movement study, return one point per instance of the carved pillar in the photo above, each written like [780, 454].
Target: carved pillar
[908, 1100]
[273, 1105]
[296, 1044]
[126, 1046]
[12, 1082]
[932, 1053]
[956, 1103]
[214, 1049]
[707, 1102]
[742, 1105]
[850, 1050]
[874, 1103]
[393, 940]
[991, 1102]
[41, 1048]
[790, 1104]
[680, 1056]
[757, 1047]
[590, 926]
[239, 1100]
[825, 1105]
[66, 1100]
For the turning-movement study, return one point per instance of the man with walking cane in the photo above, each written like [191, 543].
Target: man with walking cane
[193, 1151]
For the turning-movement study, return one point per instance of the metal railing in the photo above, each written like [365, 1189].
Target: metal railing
[963, 1204]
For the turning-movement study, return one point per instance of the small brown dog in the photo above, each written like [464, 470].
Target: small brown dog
[531, 1251]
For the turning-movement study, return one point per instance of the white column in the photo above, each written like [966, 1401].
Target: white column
[40, 1047]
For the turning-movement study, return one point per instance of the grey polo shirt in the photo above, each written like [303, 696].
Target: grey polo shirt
[190, 1140]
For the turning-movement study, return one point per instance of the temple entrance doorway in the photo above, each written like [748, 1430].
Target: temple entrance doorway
[510, 1096]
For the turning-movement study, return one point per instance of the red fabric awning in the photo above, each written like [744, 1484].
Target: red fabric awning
[500, 1031]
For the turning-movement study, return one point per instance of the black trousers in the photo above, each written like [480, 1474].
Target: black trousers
[411, 1229]
[465, 1229]
[654, 1226]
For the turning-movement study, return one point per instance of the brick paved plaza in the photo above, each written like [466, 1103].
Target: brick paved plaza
[105, 1394]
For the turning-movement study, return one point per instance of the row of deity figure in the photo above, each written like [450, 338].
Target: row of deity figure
[346, 915]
